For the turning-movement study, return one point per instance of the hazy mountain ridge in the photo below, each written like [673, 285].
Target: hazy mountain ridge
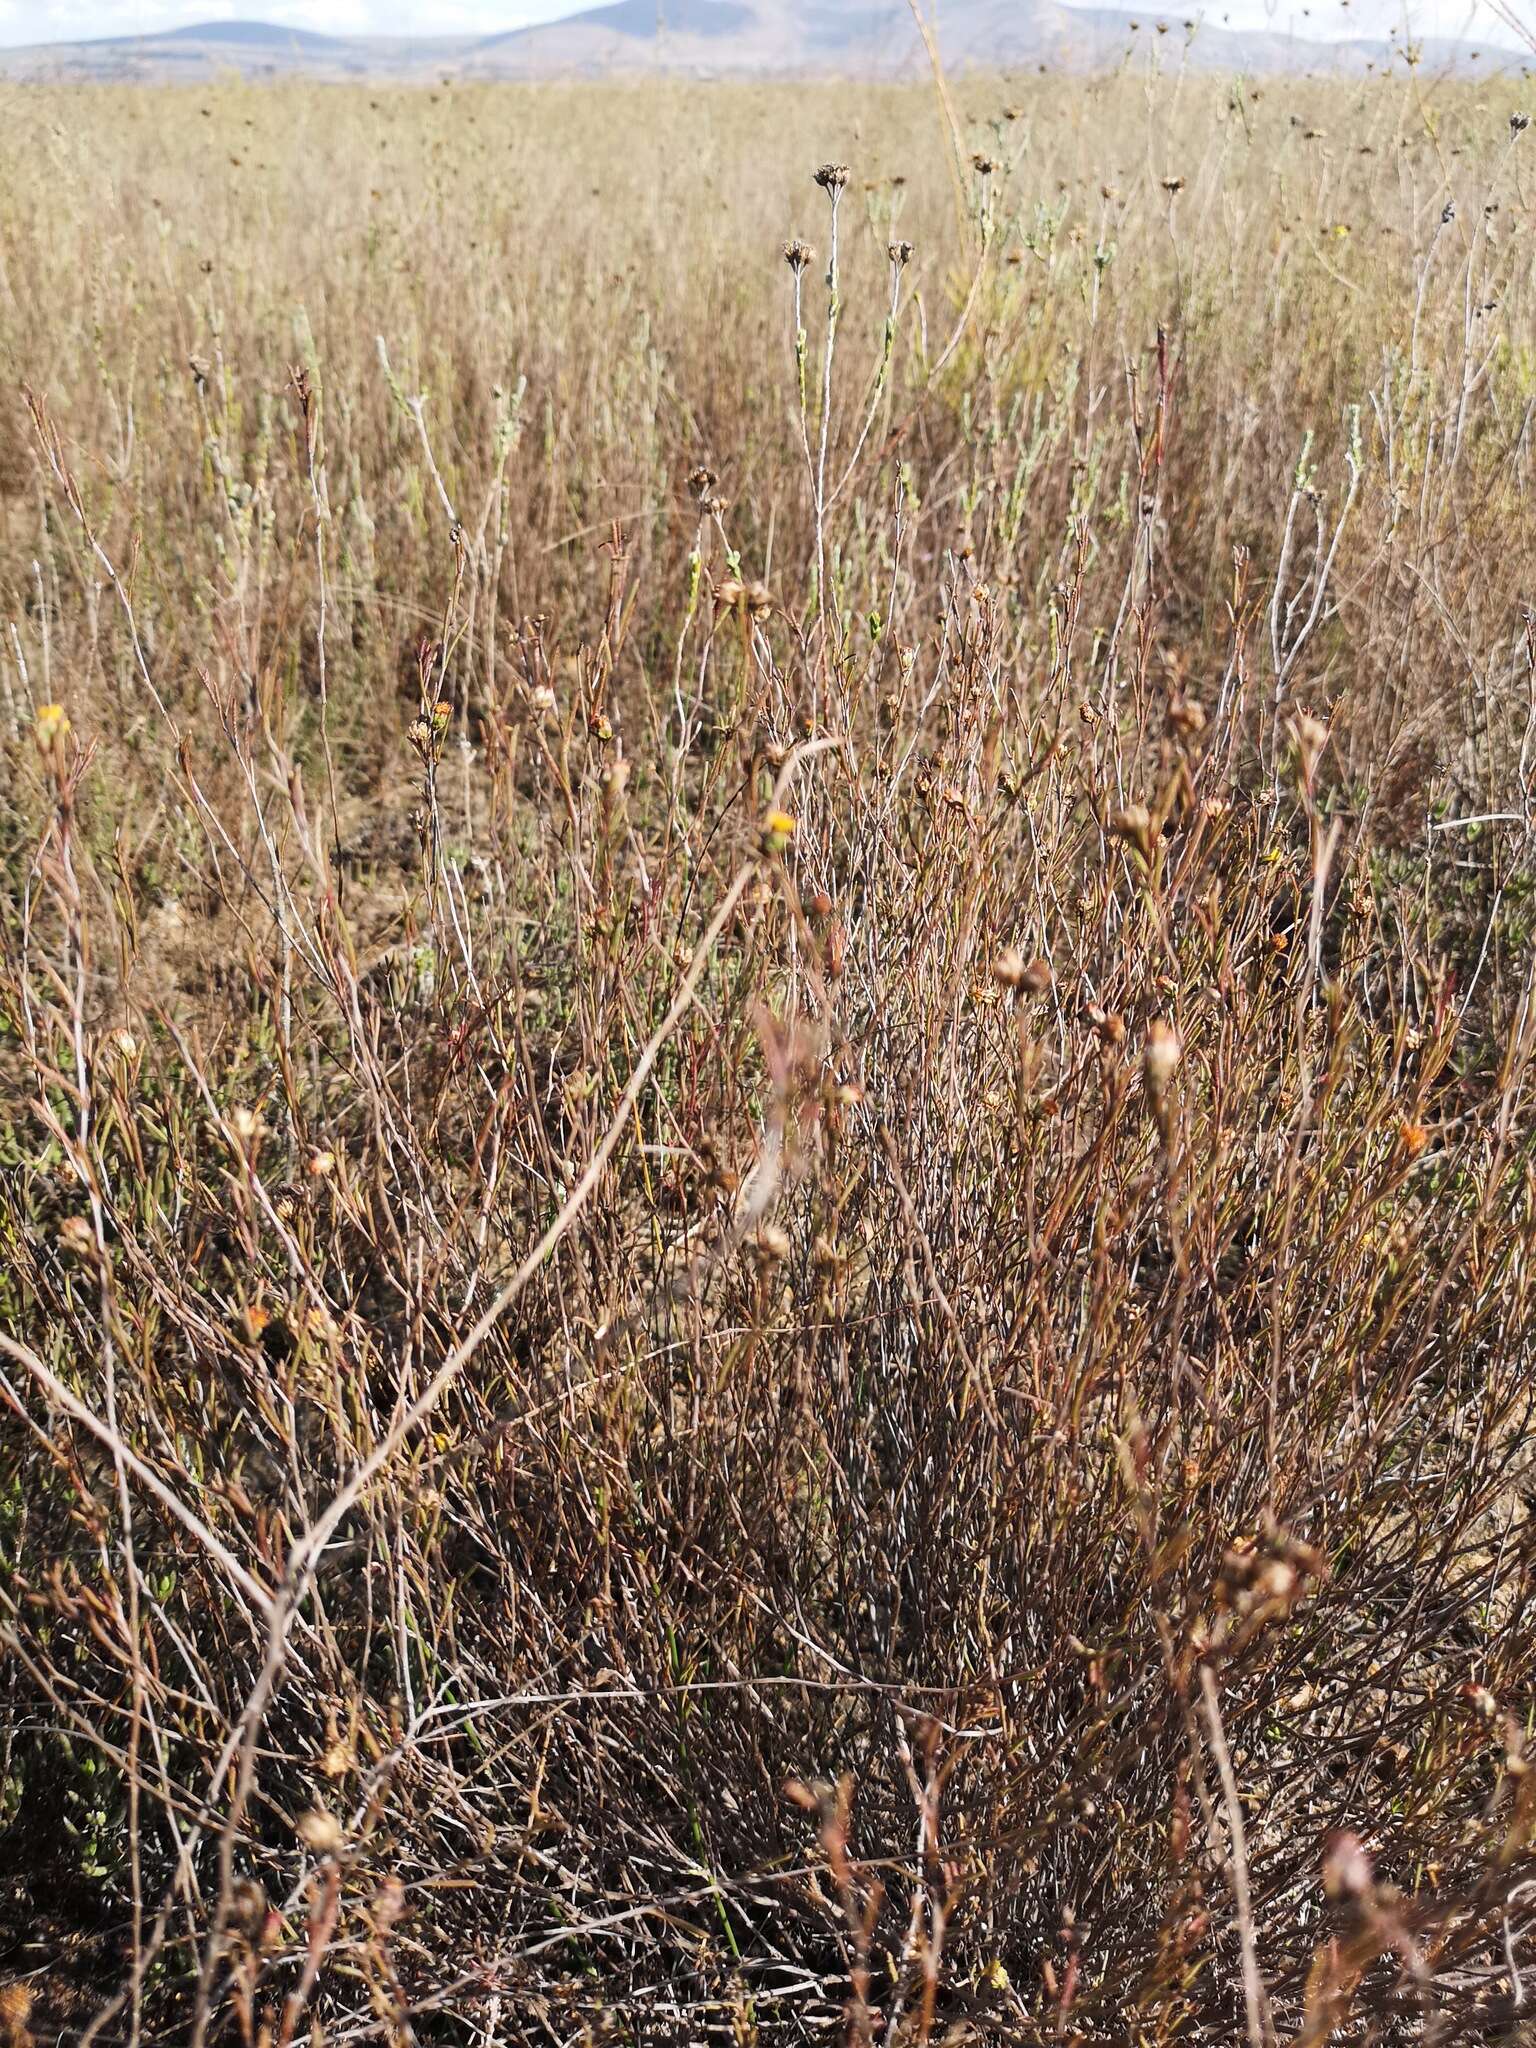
[258, 34]
[743, 37]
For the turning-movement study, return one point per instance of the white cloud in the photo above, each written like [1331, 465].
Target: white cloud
[49, 21]
[39, 21]
[1469, 20]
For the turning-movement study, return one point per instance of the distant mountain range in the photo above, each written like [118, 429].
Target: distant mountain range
[719, 38]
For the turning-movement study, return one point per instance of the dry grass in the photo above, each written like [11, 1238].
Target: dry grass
[767, 1170]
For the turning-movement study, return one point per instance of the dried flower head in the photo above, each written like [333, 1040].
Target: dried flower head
[1311, 737]
[1481, 1701]
[1008, 968]
[1186, 715]
[1134, 823]
[752, 598]
[1160, 1057]
[390, 1905]
[900, 254]
[798, 254]
[771, 1244]
[338, 1756]
[1348, 1872]
[77, 1236]
[832, 178]
[15, 2012]
[320, 1831]
[1518, 123]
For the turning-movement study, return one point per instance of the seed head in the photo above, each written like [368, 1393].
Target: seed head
[246, 1125]
[1160, 1057]
[338, 1757]
[900, 254]
[1518, 123]
[832, 178]
[15, 2012]
[752, 598]
[798, 255]
[75, 1234]
[1186, 715]
[390, 1906]
[1008, 968]
[771, 1244]
[1134, 823]
[1276, 1579]
[1311, 738]
[1348, 1872]
[321, 1831]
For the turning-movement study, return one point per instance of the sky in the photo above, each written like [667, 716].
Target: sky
[41, 21]
[54, 21]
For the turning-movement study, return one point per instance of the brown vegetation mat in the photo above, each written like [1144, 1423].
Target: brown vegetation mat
[766, 1174]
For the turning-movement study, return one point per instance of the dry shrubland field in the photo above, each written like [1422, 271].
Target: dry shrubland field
[767, 1111]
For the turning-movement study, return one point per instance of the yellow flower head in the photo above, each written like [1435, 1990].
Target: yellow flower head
[52, 726]
[778, 830]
